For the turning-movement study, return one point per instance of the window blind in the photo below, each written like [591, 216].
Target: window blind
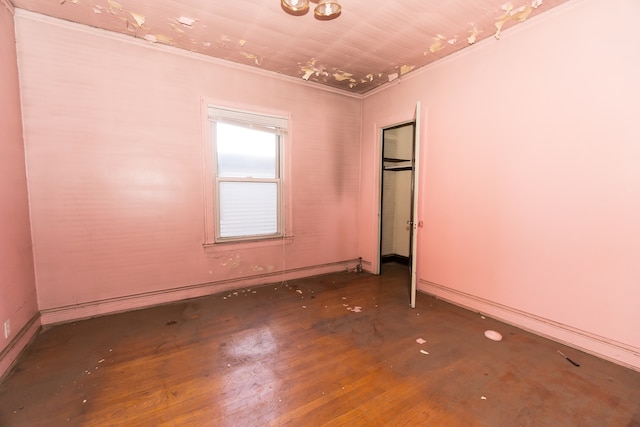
[264, 122]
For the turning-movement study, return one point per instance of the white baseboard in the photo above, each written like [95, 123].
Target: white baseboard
[613, 351]
[89, 309]
[9, 355]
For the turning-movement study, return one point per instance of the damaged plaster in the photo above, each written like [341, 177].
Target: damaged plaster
[187, 22]
[341, 60]
[138, 18]
[518, 14]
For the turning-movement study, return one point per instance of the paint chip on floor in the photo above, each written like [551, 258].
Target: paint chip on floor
[493, 335]
[420, 341]
[483, 397]
[424, 352]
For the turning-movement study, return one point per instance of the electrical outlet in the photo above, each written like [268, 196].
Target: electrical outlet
[7, 328]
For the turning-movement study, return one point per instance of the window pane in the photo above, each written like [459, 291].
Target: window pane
[245, 153]
[248, 208]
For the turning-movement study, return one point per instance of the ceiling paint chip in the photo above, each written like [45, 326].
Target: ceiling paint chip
[311, 69]
[518, 14]
[523, 14]
[499, 25]
[113, 6]
[255, 58]
[223, 32]
[186, 21]
[437, 44]
[474, 35]
[406, 68]
[507, 6]
[342, 76]
[139, 18]
[177, 28]
[164, 39]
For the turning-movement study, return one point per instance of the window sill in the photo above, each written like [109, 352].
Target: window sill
[247, 244]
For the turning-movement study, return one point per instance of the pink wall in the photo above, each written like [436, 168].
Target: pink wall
[530, 191]
[18, 302]
[113, 131]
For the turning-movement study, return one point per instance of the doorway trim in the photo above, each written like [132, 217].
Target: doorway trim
[378, 196]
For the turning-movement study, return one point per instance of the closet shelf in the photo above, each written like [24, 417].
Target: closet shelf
[392, 160]
[396, 164]
[398, 168]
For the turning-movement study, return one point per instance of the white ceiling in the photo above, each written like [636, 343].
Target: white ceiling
[371, 43]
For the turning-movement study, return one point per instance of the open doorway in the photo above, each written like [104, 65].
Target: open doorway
[396, 198]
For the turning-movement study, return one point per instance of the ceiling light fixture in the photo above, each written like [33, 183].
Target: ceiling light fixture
[296, 7]
[325, 10]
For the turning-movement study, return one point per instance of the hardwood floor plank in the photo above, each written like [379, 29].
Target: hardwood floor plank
[330, 350]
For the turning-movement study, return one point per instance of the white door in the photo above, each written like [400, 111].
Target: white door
[415, 222]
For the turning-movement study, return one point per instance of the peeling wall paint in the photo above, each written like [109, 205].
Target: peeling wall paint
[231, 262]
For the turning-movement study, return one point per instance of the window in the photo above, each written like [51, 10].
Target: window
[247, 168]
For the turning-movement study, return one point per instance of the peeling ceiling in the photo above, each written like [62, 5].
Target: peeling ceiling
[370, 44]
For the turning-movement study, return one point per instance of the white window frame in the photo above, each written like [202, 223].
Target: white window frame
[275, 122]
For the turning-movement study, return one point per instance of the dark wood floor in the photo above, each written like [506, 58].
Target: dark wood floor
[333, 350]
